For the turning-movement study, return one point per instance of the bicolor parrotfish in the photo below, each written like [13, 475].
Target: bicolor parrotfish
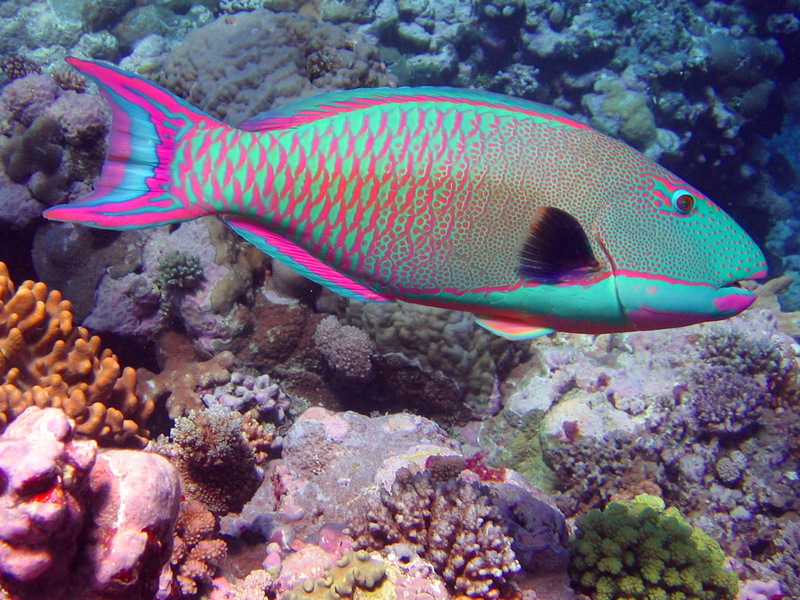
[452, 198]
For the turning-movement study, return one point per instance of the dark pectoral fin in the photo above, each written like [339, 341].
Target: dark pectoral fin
[556, 249]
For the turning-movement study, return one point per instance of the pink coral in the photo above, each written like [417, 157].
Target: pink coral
[78, 523]
[760, 590]
[43, 504]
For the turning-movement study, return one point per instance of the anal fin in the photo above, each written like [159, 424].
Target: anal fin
[299, 259]
[512, 329]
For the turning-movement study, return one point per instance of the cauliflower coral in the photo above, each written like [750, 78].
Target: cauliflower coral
[641, 549]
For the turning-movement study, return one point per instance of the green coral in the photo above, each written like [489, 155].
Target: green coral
[643, 550]
[353, 570]
[177, 271]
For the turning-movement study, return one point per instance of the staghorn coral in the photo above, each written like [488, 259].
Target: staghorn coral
[452, 524]
[340, 580]
[196, 550]
[641, 549]
[46, 361]
[216, 462]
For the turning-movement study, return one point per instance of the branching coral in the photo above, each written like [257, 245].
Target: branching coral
[15, 66]
[640, 549]
[46, 361]
[452, 524]
[196, 551]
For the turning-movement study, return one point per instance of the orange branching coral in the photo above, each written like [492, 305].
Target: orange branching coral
[47, 361]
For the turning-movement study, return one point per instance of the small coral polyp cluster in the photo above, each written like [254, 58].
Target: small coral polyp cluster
[640, 549]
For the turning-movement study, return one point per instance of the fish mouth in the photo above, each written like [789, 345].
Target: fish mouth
[735, 296]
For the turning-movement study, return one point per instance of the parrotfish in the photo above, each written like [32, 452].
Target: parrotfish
[452, 198]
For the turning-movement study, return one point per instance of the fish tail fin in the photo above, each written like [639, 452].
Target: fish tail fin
[137, 187]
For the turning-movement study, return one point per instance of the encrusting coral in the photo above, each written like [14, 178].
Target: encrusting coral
[353, 570]
[46, 361]
[641, 549]
[452, 524]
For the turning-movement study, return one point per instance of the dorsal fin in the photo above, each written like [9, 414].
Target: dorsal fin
[310, 109]
[297, 258]
[556, 249]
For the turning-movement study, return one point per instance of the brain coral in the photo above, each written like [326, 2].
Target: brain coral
[239, 66]
[46, 361]
[640, 549]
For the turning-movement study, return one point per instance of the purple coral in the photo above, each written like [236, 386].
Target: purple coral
[347, 349]
[452, 524]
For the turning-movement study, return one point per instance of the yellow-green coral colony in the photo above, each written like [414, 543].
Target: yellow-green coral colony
[643, 550]
[351, 571]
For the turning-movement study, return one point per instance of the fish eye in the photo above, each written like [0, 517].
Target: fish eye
[683, 202]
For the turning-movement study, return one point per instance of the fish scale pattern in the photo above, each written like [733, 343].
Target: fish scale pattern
[434, 203]
[437, 196]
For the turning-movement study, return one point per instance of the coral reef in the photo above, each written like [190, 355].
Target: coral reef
[643, 549]
[437, 343]
[183, 380]
[51, 139]
[340, 579]
[177, 271]
[237, 67]
[197, 552]
[78, 523]
[14, 66]
[322, 449]
[45, 360]
[347, 349]
[452, 524]
[642, 413]
[151, 295]
[216, 463]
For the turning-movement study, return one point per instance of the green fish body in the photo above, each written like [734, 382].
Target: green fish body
[451, 198]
